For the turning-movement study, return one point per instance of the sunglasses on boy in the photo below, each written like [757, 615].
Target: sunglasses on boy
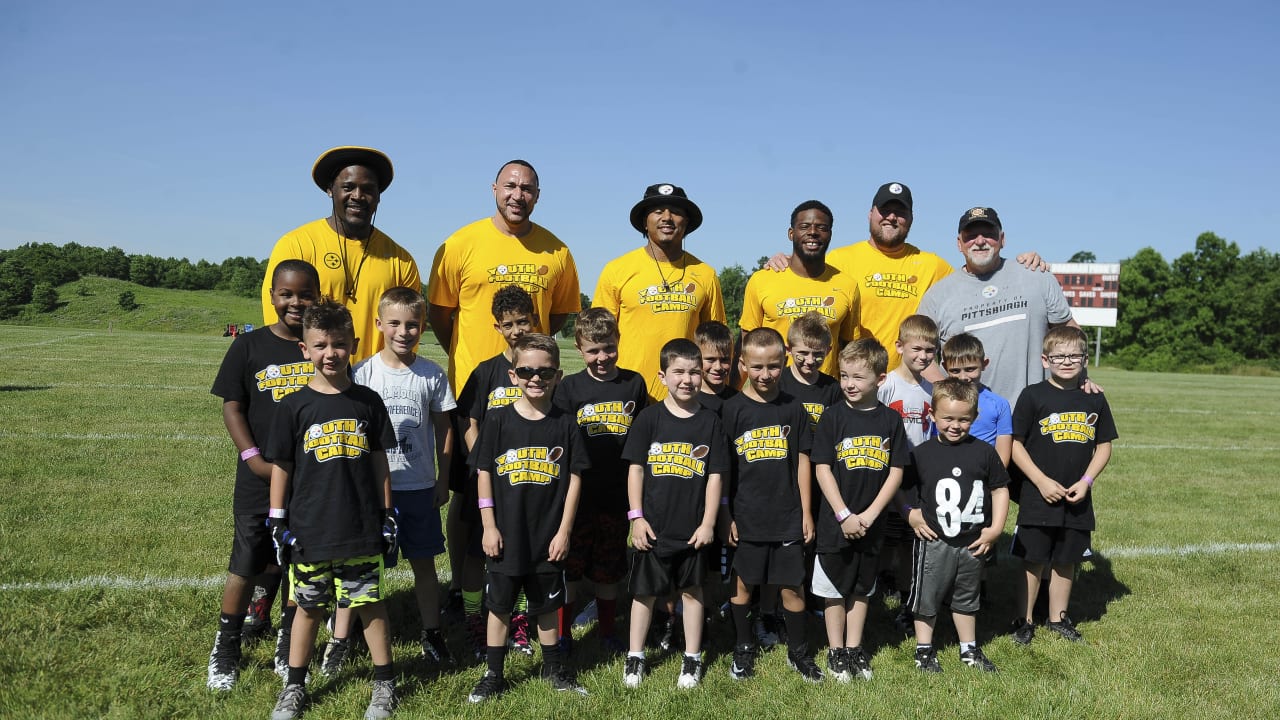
[527, 373]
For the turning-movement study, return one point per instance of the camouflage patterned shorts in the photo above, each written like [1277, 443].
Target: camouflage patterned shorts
[350, 582]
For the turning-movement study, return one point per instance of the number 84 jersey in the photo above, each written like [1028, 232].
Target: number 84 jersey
[952, 484]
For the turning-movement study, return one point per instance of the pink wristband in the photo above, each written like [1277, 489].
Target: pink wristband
[1088, 480]
[635, 514]
[251, 452]
[277, 513]
[843, 515]
[483, 503]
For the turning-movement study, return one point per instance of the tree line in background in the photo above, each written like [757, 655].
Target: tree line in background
[1211, 307]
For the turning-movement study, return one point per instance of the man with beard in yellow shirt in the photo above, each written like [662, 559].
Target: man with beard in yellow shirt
[809, 283]
[659, 291]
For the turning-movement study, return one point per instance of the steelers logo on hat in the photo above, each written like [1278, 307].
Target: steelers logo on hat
[895, 188]
[665, 189]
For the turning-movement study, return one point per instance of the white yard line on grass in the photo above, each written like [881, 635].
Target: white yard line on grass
[52, 341]
[115, 436]
[147, 582]
[1199, 448]
[150, 582]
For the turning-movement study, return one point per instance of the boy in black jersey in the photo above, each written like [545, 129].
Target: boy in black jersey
[956, 499]
[808, 344]
[258, 371]
[603, 399]
[770, 494]
[859, 450]
[328, 445]
[489, 386]
[1061, 442]
[529, 457]
[715, 342]
[677, 452]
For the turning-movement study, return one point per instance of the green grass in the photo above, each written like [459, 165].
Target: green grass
[93, 302]
[116, 473]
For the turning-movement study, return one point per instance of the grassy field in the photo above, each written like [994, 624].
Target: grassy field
[116, 476]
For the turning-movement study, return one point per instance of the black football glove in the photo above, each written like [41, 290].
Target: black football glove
[390, 532]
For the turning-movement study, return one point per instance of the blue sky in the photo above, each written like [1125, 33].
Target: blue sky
[189, 129]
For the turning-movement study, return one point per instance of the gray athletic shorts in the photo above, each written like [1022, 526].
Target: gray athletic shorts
[940, 572]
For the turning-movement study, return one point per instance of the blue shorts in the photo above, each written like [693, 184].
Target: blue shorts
[421, 535]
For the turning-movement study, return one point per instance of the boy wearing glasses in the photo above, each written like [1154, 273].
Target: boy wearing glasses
[1061, 443]
[529, 458]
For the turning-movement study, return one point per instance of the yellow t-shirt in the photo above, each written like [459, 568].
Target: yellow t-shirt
[368, 272]
[774, 299]
[474, 263]
[656, 302]
[890, 286]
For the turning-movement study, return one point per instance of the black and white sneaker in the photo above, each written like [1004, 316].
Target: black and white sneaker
[1023, 631]
[384, 700]
[633, 672]
[690, 673]
[335, 654]
[804, 664]
[670, 633]
[490, 686]
[976, 659]
[224, 661]
[859, 662]
[290, 702]
[434, 647]
[562, 679]
[281, 659]
[744, 662]
[1065, 628]
[927, 660]
[838, 664]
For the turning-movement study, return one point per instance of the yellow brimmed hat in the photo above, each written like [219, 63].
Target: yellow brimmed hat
[335, 160]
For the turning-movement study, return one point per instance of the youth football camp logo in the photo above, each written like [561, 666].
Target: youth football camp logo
[530, 276]
[501, 396]
[677, 459]
[1065, 427]
[668, 298]
[282, 380]
[896, 285]
[606, 418]
[529, 465]
[794, 307]
[864, 451]
[337, 439]
[766, 443]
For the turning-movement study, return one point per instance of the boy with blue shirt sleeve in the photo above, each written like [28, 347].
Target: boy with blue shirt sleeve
[963, 357]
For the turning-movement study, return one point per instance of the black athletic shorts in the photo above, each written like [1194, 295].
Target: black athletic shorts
[251, 550]
[545, 591]
[770, 563]
[654, 575]
[1053, 545]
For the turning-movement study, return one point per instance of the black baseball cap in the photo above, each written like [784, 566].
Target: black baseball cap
[890, 192]
[977, 215]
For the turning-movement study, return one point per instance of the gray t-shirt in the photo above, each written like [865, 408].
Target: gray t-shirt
[1009, 311]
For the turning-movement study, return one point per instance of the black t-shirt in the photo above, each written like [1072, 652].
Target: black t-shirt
[765, 443]
[816, 397]
[604, 409]
[860, 446]
[336, 496]
[1060, 430]
[677, 455]
[488, 387]
[258, 371]
[529, 463]
[952, 484]
[715, 401]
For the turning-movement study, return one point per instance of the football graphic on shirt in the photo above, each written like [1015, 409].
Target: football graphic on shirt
[555, 454]
[786, 430]
[700, 451]
[629, 406]
[1092, 419]
[884, 444]
[543, 269]
[828, 301]
[655, 449]
[690, 288]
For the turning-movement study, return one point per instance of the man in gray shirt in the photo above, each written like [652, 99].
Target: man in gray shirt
[1005, 305]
